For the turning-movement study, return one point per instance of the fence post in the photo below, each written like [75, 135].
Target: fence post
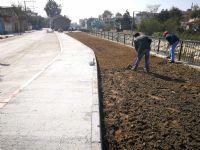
[118, 37]
[108, 35]
[104, 34]
[124, 38]
[112, 36]
[180, 52]
[158, 46]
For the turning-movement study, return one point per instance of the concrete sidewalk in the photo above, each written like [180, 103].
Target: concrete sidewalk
[58, 109]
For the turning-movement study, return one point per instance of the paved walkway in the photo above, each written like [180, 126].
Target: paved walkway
[58, 108]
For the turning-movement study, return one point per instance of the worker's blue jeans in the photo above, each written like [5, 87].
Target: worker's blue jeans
[139, 58]
[172, 51]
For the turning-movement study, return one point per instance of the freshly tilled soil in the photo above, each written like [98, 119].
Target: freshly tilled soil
[156, 110]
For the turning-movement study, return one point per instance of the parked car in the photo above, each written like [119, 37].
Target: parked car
[60, 30]
[50, 31]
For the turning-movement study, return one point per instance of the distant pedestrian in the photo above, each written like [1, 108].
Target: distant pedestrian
[173, 41]
[142, 46]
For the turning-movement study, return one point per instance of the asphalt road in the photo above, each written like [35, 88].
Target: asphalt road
[24, 56]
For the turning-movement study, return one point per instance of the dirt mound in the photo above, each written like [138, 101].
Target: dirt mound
[159, 110]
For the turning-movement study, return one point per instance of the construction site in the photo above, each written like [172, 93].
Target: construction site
[159, 110]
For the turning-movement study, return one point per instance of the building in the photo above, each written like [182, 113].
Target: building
[83, 24]
[10, 22]
[193, 24]
[2, 27]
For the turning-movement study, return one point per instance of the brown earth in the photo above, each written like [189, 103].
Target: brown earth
[158, 110]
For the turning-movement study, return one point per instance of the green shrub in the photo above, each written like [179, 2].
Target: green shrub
[150, 26]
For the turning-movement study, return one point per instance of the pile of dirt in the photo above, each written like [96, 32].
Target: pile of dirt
[158, 110]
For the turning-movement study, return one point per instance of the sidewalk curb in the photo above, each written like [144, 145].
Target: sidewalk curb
[95, 117]
[96, 135]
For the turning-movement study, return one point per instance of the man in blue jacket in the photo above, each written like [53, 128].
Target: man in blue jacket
[173, 41]
[142, 46]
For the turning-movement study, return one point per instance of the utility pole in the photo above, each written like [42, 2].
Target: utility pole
[25, 8]
[29, 1]
[25, 5]
[133, 22]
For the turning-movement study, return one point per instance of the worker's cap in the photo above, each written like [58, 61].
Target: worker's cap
[165, 33]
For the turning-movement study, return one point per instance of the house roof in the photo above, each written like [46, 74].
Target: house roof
[7, 11]
[193, 21]
[56, 17]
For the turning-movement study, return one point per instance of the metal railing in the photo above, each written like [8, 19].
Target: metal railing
[186, 51]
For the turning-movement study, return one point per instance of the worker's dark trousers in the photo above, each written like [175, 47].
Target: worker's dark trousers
[139, 58]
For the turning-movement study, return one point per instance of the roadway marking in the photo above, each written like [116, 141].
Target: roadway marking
[2, 104]
[7, 100]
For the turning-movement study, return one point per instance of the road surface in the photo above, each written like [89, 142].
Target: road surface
[57, 106]
[22, 57]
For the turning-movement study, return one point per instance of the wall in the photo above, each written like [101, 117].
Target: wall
[2, 29]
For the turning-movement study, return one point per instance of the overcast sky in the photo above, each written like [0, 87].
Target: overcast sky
[80, 9]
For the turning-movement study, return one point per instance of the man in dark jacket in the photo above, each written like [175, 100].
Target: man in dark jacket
[142, 46]
[173, 41]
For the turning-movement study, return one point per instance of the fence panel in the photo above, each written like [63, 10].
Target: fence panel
[155, 45]
[191, 52]
[186, 51]
[128, 39]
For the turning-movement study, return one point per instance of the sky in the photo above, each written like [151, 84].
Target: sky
[80, 9]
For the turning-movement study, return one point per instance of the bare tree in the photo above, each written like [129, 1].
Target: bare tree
[153, 8]
[107, 15]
